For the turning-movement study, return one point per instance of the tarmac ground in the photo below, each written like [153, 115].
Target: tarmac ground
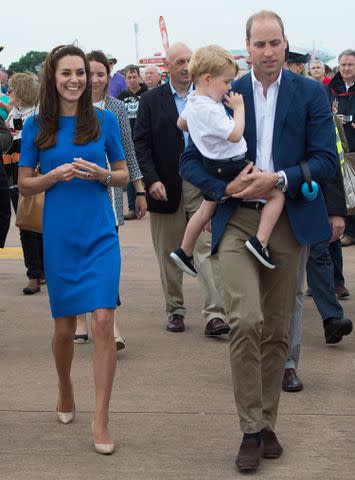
[172, 409]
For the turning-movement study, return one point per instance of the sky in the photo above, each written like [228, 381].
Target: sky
[108, 25]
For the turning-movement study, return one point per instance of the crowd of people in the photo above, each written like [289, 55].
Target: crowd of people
[207, 153]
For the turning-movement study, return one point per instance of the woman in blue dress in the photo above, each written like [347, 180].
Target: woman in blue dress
[70, 141]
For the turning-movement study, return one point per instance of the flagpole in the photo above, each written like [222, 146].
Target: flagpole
[136, 41]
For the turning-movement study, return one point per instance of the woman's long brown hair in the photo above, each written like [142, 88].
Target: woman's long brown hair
[87, 123]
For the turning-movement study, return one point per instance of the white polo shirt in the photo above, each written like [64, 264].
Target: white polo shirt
[210, 126]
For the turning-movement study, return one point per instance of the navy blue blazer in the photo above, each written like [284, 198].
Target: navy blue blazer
[303, 130]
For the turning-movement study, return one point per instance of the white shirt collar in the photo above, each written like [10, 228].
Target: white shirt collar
[189, 90]
[255, 81]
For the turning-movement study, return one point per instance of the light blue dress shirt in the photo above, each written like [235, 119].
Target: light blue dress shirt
[180, 103]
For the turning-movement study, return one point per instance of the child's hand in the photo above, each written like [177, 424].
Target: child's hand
[181, 123]
[234, 100]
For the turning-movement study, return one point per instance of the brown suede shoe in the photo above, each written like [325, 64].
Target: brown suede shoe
[248, 458]
[271, 447]
[32, 287]
[175, 323]
[216, 326]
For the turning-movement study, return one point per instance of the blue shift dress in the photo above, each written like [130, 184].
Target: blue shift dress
[80, 243]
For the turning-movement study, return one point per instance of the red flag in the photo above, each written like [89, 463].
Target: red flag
[164, 33]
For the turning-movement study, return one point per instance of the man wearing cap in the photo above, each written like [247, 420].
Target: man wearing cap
[117, 82]
[296, 62]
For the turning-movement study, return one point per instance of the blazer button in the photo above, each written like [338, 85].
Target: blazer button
[219, 170]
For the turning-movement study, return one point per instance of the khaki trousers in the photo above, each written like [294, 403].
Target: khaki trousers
[167, 232]
[260, 303]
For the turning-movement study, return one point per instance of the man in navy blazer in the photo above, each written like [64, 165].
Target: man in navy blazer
[287, 121]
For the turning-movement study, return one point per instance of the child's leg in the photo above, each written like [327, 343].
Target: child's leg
[269, 216]
[196, 224]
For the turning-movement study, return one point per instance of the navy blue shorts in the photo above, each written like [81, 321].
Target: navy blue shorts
[225, 169]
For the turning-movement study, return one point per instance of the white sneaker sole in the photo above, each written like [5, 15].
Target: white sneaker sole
[81, 341]
[181, 265]
[258, 256]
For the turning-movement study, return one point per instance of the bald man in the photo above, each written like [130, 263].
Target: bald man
[171, 201]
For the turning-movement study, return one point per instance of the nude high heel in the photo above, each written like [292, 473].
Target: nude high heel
[65, 417]
[102, 448]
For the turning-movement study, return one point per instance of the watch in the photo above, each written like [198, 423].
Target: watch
[280, 183]
[108, 179]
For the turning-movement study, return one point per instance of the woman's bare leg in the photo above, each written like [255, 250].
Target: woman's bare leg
[63, 351]
[116, 332]
[104, 369]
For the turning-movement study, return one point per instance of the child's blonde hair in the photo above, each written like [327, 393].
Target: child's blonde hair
[211, 59]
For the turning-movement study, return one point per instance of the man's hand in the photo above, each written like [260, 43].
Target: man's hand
[238, 184]
[258, 185]
[338, 227]
[158, 192]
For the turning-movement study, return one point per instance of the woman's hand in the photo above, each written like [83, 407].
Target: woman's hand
[141, 206]
[64, 173]
[88, 171]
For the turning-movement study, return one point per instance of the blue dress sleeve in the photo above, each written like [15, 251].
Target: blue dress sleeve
[29, 156]
[113, 143]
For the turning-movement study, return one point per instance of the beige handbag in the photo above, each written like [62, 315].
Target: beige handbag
[29, 212]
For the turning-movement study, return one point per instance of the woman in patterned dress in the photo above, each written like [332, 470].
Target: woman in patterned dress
[100, 75]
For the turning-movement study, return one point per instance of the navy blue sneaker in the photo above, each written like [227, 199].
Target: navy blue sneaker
[184, 262]
[260, 252]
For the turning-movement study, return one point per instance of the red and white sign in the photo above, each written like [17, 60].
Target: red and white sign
[164, 33]
[158, 60]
